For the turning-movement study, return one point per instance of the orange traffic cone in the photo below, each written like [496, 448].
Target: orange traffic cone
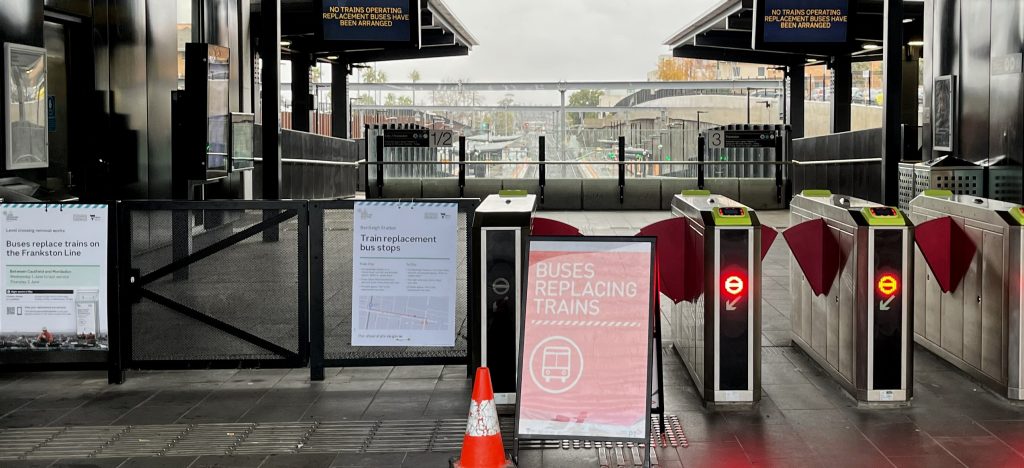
[482, 446]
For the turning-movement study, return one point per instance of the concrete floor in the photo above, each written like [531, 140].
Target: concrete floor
[804, 418]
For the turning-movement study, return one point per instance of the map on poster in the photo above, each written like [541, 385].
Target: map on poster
[403, 274]
[53, 269]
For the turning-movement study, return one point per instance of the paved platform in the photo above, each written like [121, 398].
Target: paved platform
[414, 416]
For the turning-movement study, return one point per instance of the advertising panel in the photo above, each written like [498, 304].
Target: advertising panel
[54, 276]
[585, 354]
[403, 274]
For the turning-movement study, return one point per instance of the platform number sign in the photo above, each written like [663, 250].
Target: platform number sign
[440, 138]
[721, 139]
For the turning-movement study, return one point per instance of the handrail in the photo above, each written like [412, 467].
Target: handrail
[579, 163]
[627, 163]
[320, 162]
[837, 161]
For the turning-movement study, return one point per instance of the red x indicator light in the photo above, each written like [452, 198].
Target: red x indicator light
[888, 285]
[734, 285]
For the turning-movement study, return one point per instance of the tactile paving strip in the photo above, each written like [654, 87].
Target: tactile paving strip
[439, 435]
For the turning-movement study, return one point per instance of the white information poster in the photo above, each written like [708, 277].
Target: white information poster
[54, 276]
[403, 274]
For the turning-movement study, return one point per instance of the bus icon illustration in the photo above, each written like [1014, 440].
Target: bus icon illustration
[556, 363]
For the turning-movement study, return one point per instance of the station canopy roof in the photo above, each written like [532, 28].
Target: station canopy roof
[725, 32]
[443, 35]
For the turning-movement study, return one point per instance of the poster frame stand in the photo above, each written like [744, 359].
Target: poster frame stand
[653, 341]
[87, 359]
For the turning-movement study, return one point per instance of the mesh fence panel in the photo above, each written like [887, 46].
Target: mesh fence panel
[338, 297]
[252, 286]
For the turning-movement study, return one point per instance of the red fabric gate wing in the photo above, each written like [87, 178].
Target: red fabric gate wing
[550, 227]
[817, 252]
[947, 249]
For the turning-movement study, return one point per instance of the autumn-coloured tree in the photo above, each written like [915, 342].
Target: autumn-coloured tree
[685, 69]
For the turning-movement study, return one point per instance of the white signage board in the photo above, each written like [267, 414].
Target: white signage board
[403, 273]
[54, 276]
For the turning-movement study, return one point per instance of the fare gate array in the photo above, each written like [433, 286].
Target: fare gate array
[851, 306]
[967, 285]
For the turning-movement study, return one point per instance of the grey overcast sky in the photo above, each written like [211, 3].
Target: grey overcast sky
[552, 40]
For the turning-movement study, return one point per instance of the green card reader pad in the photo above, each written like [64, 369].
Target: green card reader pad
[731, 216]
[883, 216]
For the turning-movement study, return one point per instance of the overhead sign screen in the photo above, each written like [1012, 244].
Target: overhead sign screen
[369, 20]
[804, 21]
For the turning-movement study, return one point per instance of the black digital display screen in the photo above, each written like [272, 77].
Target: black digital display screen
[888, 296]
[730, 211]
[806, 26]
[370, 20]
[734, 308]
[501, 282]
[883, 212]
[803, 21]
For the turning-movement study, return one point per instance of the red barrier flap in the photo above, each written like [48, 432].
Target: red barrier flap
[550, 227]
[768, 235]
[947, 249]
[669, 254]
[817, 252]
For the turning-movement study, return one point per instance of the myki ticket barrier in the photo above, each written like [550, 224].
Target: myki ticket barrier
[967, 285]
[716, 327]
[501, 228]
[852, 292]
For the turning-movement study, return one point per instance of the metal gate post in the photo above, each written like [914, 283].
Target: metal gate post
[622, 169]
[380, 165]
[118, 306]
[305, 290]
[316, 292]
[541, 176]
[462, 166]
[700, 159]
[779, 157]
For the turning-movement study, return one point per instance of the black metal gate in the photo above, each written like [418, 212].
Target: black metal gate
[213, 284]
[330, 227]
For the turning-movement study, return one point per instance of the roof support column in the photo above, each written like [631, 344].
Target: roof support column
[340, 125]
[795, 73]
[892, 93]
[842, 94]
[270, 52]
[301, 99]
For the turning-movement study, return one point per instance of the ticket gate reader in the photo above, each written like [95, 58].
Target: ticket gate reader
[716, 328]
[967, 285]
[501, 227]
[852, 292]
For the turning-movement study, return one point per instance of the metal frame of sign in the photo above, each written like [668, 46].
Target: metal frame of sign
[950, 110]
[813, 48]
[516, 437]
[415, 31]
[10, 49]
